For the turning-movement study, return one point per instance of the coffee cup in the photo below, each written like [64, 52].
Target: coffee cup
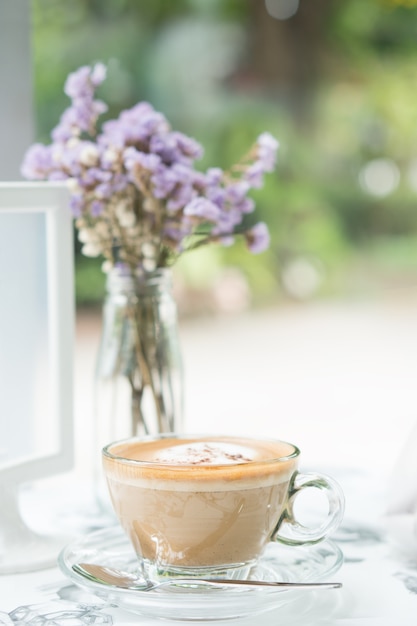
[207, 506]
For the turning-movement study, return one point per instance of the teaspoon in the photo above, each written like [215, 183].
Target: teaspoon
[125, 580]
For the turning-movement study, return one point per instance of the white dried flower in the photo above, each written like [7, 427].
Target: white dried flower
[57, 154]
[87, 235]
[149, 265]
[73, 185]
[127, 220]
[134, 231]
[148, 205]
[91, 249]
[89, 156]
[148, 250]
[125, 215]
[73, 142]
[120, 207]
[102, 229]
[110, 155]
[106, 266]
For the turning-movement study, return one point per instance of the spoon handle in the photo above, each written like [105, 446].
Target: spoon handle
[267, 583]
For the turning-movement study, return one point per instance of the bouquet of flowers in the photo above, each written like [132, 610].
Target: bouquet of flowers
[136, 196]
[139, 202]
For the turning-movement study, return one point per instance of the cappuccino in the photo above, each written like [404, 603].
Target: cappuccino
[205, 503]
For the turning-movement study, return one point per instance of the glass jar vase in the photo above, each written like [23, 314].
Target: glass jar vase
[139, 376]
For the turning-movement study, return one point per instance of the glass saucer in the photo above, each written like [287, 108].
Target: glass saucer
[111, 547]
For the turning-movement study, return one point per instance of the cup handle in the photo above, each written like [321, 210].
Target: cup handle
[291, 532]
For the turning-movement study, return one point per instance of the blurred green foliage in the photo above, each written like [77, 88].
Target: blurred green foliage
[335, 84]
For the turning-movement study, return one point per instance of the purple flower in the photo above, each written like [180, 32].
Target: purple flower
[187, 146]
[182, 195]
[95, 174]
[175, 148]
[114, 135]
[98, 74]
[76, 204]
[163, 181]
[227, 221]
[96, 208]
[62, 132]
[199, 181]
[137, 159]
[257, 238]
[217, 195]
[254, 174]
[227, 240]
[165, 146]
[82, 115]
[82, 82]
[87, 112]
[202, 208]
[214, 176]
[78, 83]
[104, 191]
[88, 178]
[37, 162]
[136, 126]
[176, 231]
[57, 175]
[237, 191]
[247, 205]
[267, 151]
[69, 161]
[119, 182]
[149, 162]
[144, 121]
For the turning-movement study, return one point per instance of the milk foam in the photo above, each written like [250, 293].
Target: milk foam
[203, 463]
[205, 453]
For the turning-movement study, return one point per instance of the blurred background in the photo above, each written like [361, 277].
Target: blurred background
[315, 339]
[333, 81]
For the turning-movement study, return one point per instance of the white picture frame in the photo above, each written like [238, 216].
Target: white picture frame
[51, 200]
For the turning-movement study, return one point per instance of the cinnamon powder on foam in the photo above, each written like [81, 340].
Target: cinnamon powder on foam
[213, 462]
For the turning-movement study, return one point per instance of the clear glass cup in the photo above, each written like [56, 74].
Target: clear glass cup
[207, 506]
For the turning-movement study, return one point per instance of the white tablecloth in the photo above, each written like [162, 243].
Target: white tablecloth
[379, 583]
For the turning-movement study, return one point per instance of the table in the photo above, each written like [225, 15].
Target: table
[379, 581]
